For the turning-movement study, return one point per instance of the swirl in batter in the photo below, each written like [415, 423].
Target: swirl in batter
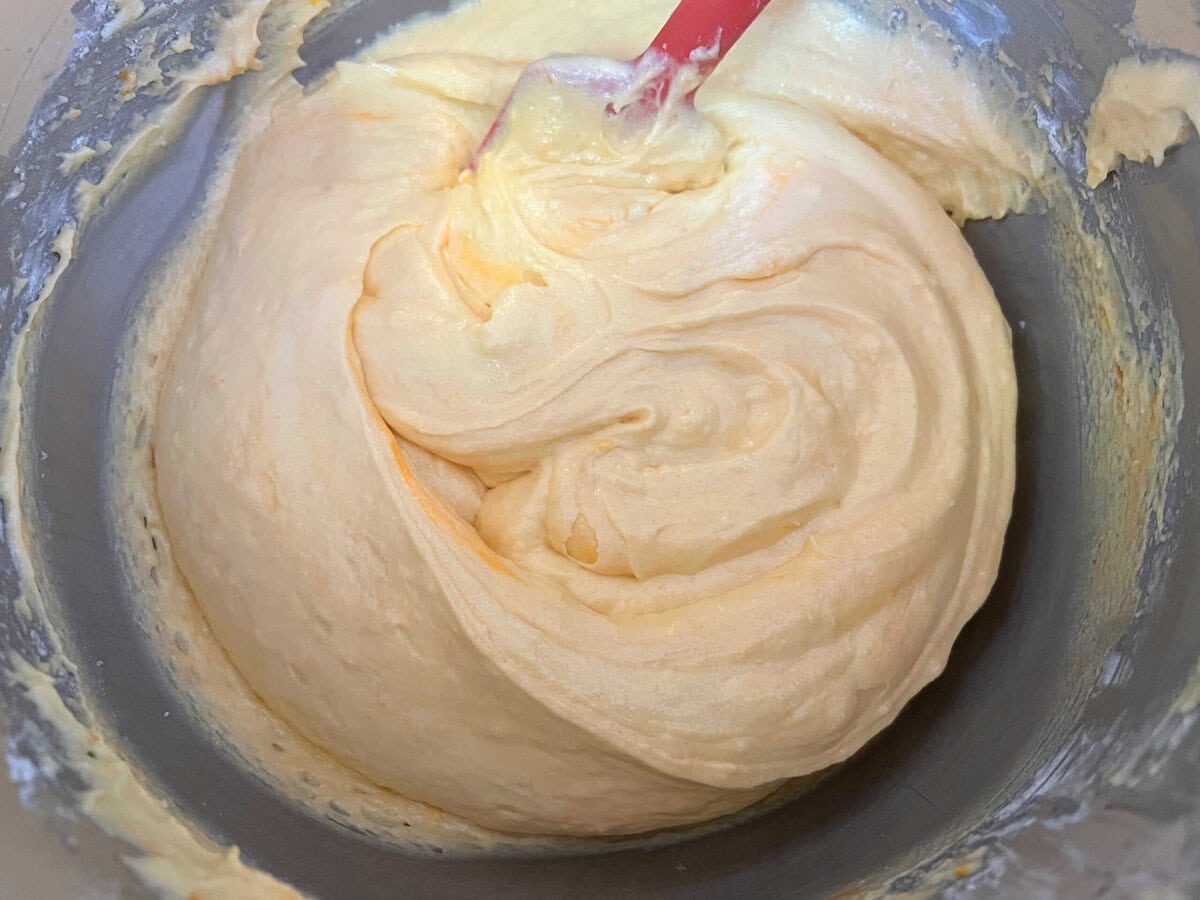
[607, 486]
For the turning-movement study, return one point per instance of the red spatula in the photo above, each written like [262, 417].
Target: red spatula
[695, 38]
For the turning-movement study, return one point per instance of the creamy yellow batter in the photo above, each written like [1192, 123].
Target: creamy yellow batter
[1144, 109]
[605, 487]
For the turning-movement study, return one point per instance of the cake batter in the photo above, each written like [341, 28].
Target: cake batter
[608, 485]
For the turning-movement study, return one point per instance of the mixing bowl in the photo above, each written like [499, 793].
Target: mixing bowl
[1058, 754]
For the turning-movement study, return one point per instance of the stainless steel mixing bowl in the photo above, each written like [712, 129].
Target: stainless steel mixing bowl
[1056, 756]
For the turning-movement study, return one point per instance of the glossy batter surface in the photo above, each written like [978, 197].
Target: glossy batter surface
[607, 486]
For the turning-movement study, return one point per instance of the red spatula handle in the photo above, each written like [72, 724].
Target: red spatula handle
[698, 24]
[713, 25]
